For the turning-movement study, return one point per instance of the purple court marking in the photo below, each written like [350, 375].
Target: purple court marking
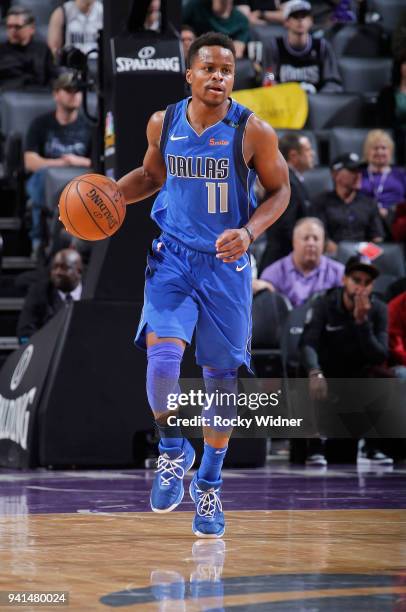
[276, 487]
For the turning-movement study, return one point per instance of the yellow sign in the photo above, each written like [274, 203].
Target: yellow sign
[282, 106]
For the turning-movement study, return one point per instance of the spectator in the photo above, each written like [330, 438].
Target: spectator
[346, 213]
[261, 12]
[24, 62]
[345, 336]
[220, 16]
[397, 334]
[391, 107]
[385, 184]
[60, 138]
[299, 154]
[305, 271]
[76, 23]
[46, 297]
[187, 36]
[153, 16]
[300, 57]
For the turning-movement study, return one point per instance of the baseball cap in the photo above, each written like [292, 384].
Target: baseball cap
[296, 6]
[349, 161]
[66, 80]
[362, 264]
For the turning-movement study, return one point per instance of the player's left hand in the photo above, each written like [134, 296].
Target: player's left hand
[232, 244]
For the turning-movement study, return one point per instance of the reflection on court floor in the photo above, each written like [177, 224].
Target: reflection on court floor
[296, 539]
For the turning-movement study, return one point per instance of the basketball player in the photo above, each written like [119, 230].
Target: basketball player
[203, 155]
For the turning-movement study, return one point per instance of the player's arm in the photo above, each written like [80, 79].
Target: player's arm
[148, 178]
[260, 152]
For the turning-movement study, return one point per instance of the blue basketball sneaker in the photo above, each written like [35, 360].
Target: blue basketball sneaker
[209, 517]
[173, 463]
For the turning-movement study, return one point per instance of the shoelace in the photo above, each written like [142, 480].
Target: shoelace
[208, 500]
[172, 467]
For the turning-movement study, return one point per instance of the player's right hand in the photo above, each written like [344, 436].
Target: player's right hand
[232, 244]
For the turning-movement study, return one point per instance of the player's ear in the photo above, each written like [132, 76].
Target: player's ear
[189, 76]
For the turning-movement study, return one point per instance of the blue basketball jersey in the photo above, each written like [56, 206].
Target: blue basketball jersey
[209, 187]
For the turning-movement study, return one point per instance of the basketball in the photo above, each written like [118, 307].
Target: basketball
[92, 207]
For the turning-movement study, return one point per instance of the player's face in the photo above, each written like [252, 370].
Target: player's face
[308, 243]
[211, 75]
[380, 153]
[356, 283]
[65, 272]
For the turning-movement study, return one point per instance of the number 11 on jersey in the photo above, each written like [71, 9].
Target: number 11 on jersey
[212, 197]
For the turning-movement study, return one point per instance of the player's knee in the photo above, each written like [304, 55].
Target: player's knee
[163, 372]
[219, 373]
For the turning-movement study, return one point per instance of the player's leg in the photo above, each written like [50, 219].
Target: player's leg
[167, 324]
[222, 338]
[221, 386]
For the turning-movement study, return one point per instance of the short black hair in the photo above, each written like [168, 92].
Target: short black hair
[21, 10]
[210, 39]
[290, 142]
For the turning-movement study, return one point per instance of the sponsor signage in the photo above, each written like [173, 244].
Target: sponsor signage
[161, 56]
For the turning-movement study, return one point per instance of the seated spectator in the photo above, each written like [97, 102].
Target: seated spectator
[60, 138]
[380, 181]
[397, 334]
[306, 270]
[345, 336]
[300, 57]
[261, 12]
[299, 154]
[218, 16]
[46, 297]
[346, 213]
[187, 36]
[75, 24]
[153, 16]
[391, 107]
[24, 62]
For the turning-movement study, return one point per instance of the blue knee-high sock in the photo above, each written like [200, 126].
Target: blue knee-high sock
[162, 380]
[217, 381]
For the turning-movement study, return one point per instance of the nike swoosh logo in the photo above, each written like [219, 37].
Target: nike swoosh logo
[334, 327]
[172, 137]
[239, 268]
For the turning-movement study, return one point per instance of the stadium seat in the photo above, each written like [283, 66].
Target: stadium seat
[269, 314]
[40, 9]
[389, 10]
[390, 262]
[328, 110]
[291, 333]
[309, 134]
[18, 109]
[245, 74]
[354, 40]
[317, 181]
[363, 75]
[347, 140]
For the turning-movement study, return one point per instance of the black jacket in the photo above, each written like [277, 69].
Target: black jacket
[334, 342]
[41, 304]
[279, 235]
[26, 66]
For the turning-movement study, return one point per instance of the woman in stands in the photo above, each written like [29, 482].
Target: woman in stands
[385, 183]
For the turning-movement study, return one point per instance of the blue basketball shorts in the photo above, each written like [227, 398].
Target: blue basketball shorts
[188, 291]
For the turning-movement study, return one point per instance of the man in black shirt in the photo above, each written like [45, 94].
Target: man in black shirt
[61, 138]
[301, 58]
[24, 62]
[346, 213]
[299, 154]
[346, 336]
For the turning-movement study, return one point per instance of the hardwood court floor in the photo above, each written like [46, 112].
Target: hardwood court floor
[286, 559]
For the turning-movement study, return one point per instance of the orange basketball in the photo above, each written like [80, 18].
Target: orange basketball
[92, 207]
